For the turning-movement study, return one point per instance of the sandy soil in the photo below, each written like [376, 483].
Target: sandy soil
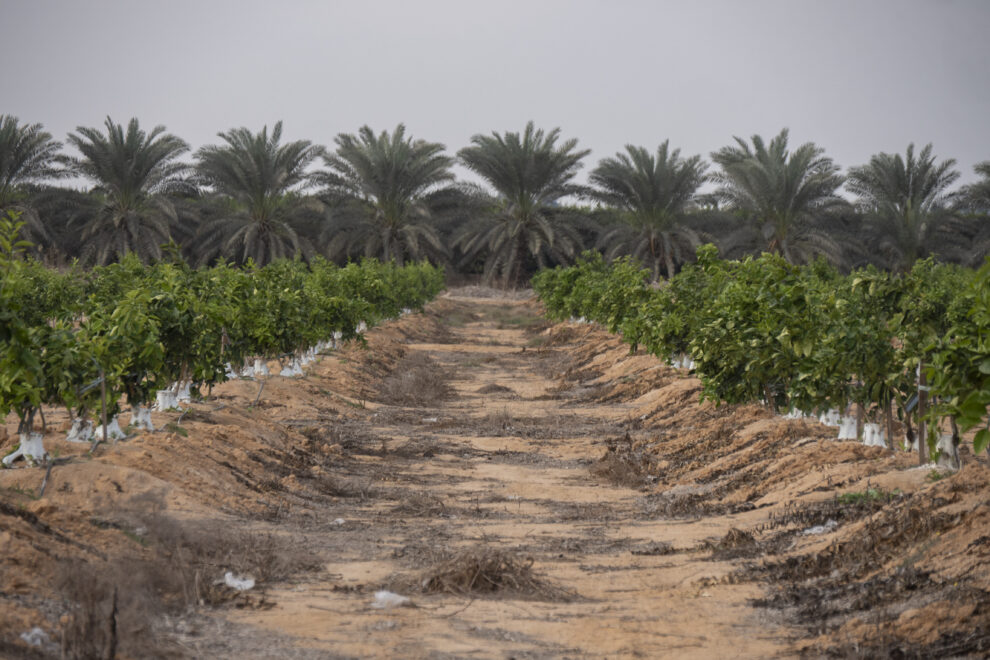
[651, 525]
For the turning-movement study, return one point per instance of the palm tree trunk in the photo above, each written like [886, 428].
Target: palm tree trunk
[668, 259]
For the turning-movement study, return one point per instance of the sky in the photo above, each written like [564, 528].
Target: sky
[856, 77]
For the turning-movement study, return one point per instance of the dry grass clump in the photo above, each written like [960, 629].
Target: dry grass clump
[735, 544]
[417, 380]
[489, 571]
[116, 606]
[624, 465]
[421, 505]
[495, 388]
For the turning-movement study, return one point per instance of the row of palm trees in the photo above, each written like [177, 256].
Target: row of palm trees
[253, 196]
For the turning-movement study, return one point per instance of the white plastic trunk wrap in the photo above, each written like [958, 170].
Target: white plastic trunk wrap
[166, 399]
[141, 418]
[114, 431]
[185, 393]
[292, 370]
[830, 418]
[260, 368]
[948, 456]
[230, 373]
[874, 436]
[32, 449]
[247, 371]
[847, 428]
[80, 431]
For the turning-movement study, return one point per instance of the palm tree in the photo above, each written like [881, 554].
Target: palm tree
[137, 175]
[784, 195]
[977, 195]
[530, 174]
[263, 215]
[385, 194]
[908, 206]
[977, 199]
[653, 194]
[28, 156]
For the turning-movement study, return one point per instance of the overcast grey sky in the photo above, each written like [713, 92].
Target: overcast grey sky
[856, 77]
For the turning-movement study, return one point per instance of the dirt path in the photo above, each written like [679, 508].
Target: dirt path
[536, 491]
[502, 466]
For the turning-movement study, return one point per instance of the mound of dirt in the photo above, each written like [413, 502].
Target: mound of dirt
[892, 565]
[158, 518]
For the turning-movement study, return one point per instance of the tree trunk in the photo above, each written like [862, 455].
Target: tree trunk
[888, 414]
[956, 458]
[922, 409]
[860, 412]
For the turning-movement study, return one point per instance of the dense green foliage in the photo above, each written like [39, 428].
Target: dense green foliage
[802, 338]
[385, 193]
[255, 196]
[147, 327]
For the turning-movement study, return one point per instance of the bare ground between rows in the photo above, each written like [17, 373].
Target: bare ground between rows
[535, 491]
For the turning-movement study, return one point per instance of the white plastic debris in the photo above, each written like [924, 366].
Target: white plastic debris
[874, 436]
[388, 599]
[141, 418]
[821, 529]
[80, 431]
[260, 368]
[361, 327]
[36, 637]
[406, 311]
[847, 428]
[166, 399]
[114, 431]
[31, 449]
[338, 522]
[239, 583]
